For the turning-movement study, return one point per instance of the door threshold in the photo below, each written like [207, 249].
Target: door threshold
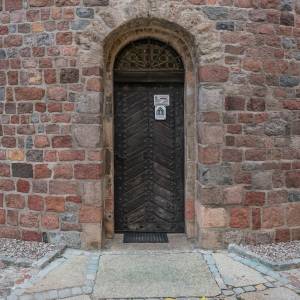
[145, 237]
[176, 241]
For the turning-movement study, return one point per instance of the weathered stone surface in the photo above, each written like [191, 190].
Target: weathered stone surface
[280, 292]
[91, 193]
[241, 104]
[219, 175]
[211, 134]
[70, 238]
[213, 217]
[166, 275]
[289, 81]
[2, 94]
[70, 75]
[272, 217]
[293, 179]
[225, 25]
[22, 170]
[83, 12]
[29, 93]
[96, 2]
[239, 218]
[294, 196]
[216, 13]
[262, 180]
[210, 99]
[79, 24]
[276, 127]
[235, 273]
[92, 236]
[34, 155]
[87, 135]
[213, 73]
[233, 195]
[57, 93]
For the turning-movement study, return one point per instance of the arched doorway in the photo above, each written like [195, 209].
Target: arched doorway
[149, 138]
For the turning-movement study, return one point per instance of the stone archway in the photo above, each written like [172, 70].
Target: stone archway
[183, 42]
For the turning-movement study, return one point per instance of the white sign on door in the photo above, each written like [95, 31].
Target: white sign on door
[160, 112]
[161, 100]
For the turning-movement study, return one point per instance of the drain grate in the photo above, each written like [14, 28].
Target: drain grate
[145, 237]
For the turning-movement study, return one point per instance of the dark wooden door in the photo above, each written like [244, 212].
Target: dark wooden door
[149, 159]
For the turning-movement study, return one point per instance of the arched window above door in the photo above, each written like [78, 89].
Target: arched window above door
[148, 60]
[148, 55]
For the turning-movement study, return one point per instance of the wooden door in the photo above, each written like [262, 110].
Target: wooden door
[149, 159]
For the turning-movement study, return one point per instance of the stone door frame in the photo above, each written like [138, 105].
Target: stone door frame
[182, 41]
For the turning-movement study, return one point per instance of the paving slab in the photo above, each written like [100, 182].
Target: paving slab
[69, 274]
[178, 242]
[280, 293]
[293, 276]
[82, 297]
[236, 274]
[154, 275]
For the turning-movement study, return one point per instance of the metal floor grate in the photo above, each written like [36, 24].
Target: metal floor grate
[145, 237]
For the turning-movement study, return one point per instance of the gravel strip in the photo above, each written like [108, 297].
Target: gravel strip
[24, 249]
[279, 252]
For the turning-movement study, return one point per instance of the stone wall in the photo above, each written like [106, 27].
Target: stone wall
[243, 132]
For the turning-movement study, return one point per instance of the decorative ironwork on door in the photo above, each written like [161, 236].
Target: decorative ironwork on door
[148, 55]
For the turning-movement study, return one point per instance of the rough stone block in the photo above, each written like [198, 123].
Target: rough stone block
[294, 196]
[42, 171]
[29, 93]
[63, 187]
[211, 134]
[253, 198]
[64, 141]
[262, 180]
[56, 204]
[239, 218]
[50, 221]
[225, 25]
[293, 213]
[88, 171]
[15, 201]
[29, 219]
[90, 214]
[23, 186]
[83, 12]
[35, 202]
[210, 99]
[92, 193]
[216, 175]
[22, 170]
[213, 73]
[96, 2]
[90, 103]
[210, 195]
[216, 13]
[91, 236]
[293, 179]
[70, 75]
[57, 93]
[233, 194]
[272, 217]
[209, 154]
[34, 155]
[87, 136]
[213, 217]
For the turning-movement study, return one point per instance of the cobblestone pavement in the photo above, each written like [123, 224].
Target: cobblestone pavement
[12, 275]
[82, 287]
